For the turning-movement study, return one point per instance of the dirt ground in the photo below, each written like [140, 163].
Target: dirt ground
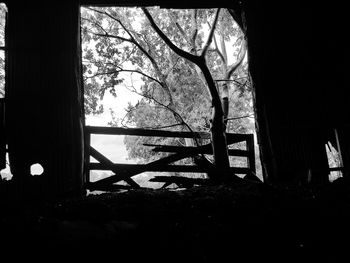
[237, 222]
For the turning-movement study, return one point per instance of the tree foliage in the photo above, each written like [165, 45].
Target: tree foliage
[174, 93]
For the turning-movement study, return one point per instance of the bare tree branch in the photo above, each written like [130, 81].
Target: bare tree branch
[132, 39]
[161, 104]
[239, 61]
[223, 47]
[136, 43]
[175, 113]
[191, 40]
[162, 127]
[198, 60]
[177, 50]
[217, 50]
[123, 70]
[194, 26]
[95, 23]
[178, 26]
[103, 13]
[111, 36]
[211, 33]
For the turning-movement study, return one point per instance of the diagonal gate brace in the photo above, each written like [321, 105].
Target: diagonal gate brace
[104, 160]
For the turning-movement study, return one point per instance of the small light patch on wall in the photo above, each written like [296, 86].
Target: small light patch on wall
[5, 174]
[36, 169]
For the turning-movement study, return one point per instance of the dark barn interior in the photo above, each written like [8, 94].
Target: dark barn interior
[298, 59]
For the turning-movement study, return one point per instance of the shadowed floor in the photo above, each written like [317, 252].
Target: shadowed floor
[244, 221]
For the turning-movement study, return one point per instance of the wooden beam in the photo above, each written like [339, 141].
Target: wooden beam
[138, 168]
[231, 137]
[87, 157]
[251, 154]
[204, 149]
[336, 169]
[145, 132]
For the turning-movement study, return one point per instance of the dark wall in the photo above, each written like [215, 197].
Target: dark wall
[299, 53]
[44, 111]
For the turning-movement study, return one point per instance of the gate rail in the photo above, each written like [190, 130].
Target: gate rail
[125, 172]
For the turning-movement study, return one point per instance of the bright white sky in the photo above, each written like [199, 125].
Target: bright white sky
[117, 104]
[112, 146]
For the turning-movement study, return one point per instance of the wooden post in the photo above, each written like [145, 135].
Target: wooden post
[3, 134]
[87, 157]
[251, 154]
[339, 147]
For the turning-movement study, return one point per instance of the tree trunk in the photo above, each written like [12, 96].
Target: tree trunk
[218, 135]
[219, 144]
[225, 101]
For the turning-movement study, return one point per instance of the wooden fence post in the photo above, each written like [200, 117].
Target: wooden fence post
[87, 140]
[251, 154]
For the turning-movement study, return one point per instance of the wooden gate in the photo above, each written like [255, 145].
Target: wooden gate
[125, 172]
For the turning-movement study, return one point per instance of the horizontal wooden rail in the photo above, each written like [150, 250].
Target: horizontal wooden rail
[332, 169]
[144, 132]
[203, 149]
[231, 137]
[122, 168]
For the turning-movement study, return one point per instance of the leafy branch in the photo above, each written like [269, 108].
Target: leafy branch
[132, 40]
[122, 70]
[198, 60]
[175, 113]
